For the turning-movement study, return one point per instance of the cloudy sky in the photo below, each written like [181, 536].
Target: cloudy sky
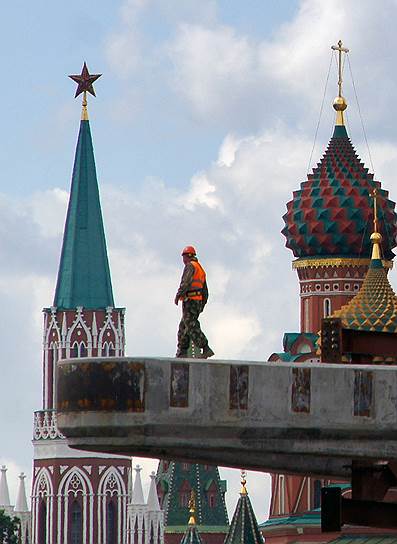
[203, 125]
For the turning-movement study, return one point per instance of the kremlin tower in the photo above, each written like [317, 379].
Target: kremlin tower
[79, 497]
[328, 226]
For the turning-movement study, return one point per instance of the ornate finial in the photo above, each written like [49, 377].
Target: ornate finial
[376, 237]
[243, 483]
[340, 103]
[85, 84]
[192, 508]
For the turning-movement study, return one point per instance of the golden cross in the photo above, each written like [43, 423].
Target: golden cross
[341, 50]
[374, 195]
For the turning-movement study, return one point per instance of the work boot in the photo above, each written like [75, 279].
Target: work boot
[181, 353]
[207, 352]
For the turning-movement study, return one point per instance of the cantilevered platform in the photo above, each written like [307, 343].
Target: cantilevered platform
[294, 418]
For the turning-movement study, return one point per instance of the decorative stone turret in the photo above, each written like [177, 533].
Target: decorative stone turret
[5, 503]
[21, 510]
[145, 519]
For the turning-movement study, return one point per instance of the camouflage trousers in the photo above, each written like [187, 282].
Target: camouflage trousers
[189, 327]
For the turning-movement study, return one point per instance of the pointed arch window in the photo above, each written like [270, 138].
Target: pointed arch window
[78, 350]
[76, 524]
[211, 491]
[108, 349]
[306, 314]
[54, 349]
[74, 352]
[110, 523]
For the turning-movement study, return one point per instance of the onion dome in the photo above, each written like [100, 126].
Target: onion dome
[374, 308]
[330, 214]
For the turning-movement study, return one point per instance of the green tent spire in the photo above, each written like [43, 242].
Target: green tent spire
[244, 527]
[84, 275]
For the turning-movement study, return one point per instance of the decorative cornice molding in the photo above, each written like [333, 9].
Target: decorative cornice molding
[336, 262]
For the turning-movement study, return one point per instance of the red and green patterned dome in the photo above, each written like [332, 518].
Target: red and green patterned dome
[331, 214]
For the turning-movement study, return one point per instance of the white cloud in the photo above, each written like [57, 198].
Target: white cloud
[223, 74]
[201, 192]
[213, 66]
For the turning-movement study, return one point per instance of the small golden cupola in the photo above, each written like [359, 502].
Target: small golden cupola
[374, 308]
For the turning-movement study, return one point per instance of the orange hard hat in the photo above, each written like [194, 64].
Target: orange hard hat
[188, 250]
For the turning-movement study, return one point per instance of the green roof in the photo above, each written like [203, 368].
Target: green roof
[244, 527]
[308, 518]
[203, 528]
[181, 478]
[84, 275]
[191, 536]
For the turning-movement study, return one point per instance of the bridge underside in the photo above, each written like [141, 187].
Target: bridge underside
[327, 420]
[293, 418]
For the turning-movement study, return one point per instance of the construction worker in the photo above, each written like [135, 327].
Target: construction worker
[193, 293]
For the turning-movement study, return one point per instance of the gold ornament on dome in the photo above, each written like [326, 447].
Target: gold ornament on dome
[335, 261]
[340, 103]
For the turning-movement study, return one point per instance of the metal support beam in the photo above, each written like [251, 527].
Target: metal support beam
[337, 511]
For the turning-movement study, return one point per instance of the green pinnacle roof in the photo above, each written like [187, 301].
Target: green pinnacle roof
[191, 536]
[244, 527]
[84, 275]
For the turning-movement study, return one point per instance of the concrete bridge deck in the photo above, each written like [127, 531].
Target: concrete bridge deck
[294, 418]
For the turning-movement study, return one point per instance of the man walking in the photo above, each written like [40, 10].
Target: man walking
[193, 293]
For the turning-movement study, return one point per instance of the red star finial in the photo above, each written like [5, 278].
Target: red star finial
[84, 81]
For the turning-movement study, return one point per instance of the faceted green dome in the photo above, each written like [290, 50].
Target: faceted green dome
[331, 214]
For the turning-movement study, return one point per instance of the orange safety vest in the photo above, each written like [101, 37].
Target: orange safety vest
[196, 287]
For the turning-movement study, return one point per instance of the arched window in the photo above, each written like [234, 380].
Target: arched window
[184, 499]
[74, 352]
[110, 523]
[54, 352]
[111, 351]
[306, 315]
[42, 522]
[83, 350]
[184, 494]
[76, 524]
[327, 307]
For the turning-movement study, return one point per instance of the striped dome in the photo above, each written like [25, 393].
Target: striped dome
[331, 214]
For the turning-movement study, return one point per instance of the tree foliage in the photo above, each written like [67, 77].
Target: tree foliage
[9, 529]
